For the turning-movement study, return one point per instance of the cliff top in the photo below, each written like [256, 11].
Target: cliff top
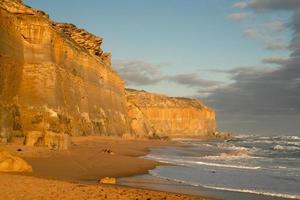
[147, 99]
[82, 37]
[78, 36]
[17, 7]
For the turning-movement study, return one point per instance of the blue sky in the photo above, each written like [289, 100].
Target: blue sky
[176, 40]
[186, 36]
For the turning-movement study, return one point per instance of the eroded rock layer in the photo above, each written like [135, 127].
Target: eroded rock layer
[53, 82]
[82, 37]
[160, 115]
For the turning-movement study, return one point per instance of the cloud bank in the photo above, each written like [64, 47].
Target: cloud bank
[140, 73]
[265, 91]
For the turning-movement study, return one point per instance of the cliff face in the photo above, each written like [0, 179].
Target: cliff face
[54, 78]
[56, 81]
[168, 116]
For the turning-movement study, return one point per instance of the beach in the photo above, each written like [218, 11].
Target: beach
[74, 173]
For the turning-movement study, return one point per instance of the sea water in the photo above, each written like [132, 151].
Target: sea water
[251, 164]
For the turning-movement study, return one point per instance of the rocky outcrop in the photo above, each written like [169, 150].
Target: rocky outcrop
[50, 139]
[154, 114]
[82, 37]
[10, 163]
[54, 78]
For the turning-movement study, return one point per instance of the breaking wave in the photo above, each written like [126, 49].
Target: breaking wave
[286, 148]
[227, 165]
[186, 162]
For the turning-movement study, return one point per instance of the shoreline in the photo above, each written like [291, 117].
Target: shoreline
[85, 163]
[82, 165]
[79, 168]
[152, 181]
[148, 181]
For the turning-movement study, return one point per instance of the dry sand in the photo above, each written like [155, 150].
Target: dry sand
[68, 174]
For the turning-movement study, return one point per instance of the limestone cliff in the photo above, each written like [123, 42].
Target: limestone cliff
[55, 79]
[168, 116]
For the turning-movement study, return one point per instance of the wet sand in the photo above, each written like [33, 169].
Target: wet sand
[155, 183]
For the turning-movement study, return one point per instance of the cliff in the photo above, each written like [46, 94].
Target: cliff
[55, 79]
[152, 114]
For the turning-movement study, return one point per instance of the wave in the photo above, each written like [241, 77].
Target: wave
[280, 195]
[274, 142]
[292, 143]
[288, 168]
[237, 149]
[265, 138]
[261, 141]
[286, 148]
[285, 137]
[244, 136]
[289, 137]
[184, 162]
[289, 196]
[230, 147]
[187, 139]
[293, 137]
[227, 166]
[205, 145]
[278, 137]
[231, 156]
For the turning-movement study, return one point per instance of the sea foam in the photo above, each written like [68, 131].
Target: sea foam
[286, 148]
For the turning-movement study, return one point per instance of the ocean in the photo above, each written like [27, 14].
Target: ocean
[266, 165]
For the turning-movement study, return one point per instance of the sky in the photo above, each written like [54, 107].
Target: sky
[239, 57]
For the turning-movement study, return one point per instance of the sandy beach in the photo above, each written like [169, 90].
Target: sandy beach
[73, 174]
[14, 187]
[86, 159]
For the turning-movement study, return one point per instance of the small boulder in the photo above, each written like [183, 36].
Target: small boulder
[10, 163]
[108, 151]
[108, 180]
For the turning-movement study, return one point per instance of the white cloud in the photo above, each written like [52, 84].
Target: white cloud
[276, 26]
[275, 60]
[238, 16]
[274, 4]
[251, 32]
[240, 4]
[276, 46]
[137, 72]
[192, 80]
